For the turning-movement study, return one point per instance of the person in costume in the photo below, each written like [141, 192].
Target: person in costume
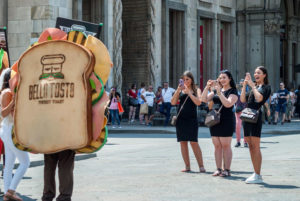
[11, 182]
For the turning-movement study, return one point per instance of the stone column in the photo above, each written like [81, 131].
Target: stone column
[117, 52]
[298, 57]
[292, 38]
[152, 68]
[272, 49]
[77, 9]
[215, 49]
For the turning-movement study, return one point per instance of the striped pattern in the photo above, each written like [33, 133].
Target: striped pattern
[77, 37]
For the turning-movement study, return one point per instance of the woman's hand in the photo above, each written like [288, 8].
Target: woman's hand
[210, 83]
[248, 80]
[187, 91]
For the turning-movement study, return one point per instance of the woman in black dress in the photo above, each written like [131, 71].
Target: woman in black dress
[187, 123]
[223, 94]
[260, 92]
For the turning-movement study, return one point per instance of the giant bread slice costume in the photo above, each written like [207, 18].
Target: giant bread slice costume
[60, 99]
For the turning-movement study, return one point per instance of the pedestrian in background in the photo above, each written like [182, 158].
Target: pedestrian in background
[224, 94]
[297, 103]
[114, 98]
[239, 106]
[255, 99]
[158, 98]
[283, 96]
[290, 106]
[133, 102]
[187, 123]
[141, 101]
[165, 109]
[273, 104]
[148, 97]
[11, 181]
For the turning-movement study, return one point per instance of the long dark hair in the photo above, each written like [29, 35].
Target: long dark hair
[6, 79]
[265, 72]
[229, 75]
[190, 75]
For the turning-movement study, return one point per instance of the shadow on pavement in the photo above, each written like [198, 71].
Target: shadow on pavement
[279, 186]
[25, 198]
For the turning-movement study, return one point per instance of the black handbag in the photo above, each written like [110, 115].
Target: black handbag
[133, 101]
[213, 117]
[250, 115]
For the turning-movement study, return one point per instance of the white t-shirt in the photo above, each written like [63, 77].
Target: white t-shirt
[167, 94]
[140, 92]
[149, 96]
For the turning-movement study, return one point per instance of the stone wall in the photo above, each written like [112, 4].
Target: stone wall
[27, 19]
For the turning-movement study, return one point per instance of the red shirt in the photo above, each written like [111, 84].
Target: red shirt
[132, 94]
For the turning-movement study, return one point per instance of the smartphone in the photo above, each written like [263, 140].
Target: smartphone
[181, 83]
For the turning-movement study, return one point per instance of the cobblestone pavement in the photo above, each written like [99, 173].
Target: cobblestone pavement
[146, 167]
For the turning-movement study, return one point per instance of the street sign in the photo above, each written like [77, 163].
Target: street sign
[88, 28]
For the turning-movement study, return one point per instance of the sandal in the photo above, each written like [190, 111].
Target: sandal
[225, 173]
[11, 195]
[202, 170]
[217, 173]
[186, 170]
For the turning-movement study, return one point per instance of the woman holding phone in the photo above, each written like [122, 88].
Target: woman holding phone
[187, 123]
[255, 98]
[224, 95]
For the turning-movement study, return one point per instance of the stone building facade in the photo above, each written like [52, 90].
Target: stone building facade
[153, 41]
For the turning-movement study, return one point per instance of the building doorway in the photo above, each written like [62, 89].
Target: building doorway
[205, 43]
[176, 46]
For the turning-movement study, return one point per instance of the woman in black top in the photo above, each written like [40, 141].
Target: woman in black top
[225, 96]
[187, 123]
[260, 92]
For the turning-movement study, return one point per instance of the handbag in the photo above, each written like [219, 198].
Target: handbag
[133, 101]
[174, 118]
[250, 115]
[144, 108]
[213, 117]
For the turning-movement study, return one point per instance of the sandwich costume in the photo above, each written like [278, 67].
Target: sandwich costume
[60, 102]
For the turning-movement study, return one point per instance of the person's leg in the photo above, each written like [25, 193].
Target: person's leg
[227, 152]
[168, 108]
[9, 165]
[50, 161]
[65, 174]
[133, 114]
[146, 119]
[218, 151]
[283, 113]
[198, 153]
[162, 108]
[238, 126]
[256, 157]
[113, 117]
[117, 117]
[23, 158]
[130, 113]
[185, 154]
[276, 117]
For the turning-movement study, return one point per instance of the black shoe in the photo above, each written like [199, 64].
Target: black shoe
[238, 144]
[289, 121]
[245, 144]
[282, 123]
[269, 122]
[274, 123]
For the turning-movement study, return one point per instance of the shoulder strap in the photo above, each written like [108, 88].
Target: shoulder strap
[182, 105]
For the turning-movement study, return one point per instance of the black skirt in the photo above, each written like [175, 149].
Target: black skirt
[187, 130]
[225, 128]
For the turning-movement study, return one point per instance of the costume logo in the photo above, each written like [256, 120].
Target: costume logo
[52, 66]
[51, 87]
